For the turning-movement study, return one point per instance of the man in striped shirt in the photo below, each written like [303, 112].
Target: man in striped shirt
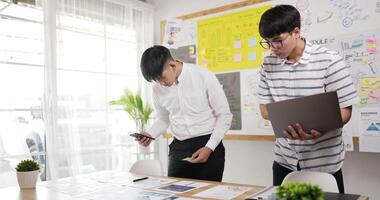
[297, 68]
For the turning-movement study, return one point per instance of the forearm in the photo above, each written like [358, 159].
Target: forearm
[223, 124]
[264, 111]
[219, 104]
[158, 127]
[346, 114]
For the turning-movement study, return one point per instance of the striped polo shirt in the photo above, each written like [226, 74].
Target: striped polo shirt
[319, 70]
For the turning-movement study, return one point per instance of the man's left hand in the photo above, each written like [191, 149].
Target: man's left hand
[201, 156]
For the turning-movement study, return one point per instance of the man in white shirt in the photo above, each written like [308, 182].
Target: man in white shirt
[190, 100]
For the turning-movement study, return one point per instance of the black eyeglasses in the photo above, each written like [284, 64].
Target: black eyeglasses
[277, 43]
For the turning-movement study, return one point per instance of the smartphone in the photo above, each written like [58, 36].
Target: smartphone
[139, 136]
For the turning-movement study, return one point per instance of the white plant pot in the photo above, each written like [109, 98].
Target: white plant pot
[27, 179]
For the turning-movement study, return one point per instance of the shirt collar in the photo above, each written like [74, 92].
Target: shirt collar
[305, 54]
[182, 74]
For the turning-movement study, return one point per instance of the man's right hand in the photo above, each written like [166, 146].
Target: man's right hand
[144, 141]
[297, 133]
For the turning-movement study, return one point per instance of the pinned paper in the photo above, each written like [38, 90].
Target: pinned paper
[252, 56]
[238, 57]
[252, 42]
[237, 44]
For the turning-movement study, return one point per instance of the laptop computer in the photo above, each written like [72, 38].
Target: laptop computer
[320, 112]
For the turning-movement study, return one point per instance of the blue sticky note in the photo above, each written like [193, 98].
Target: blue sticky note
[252, 56]
[252, 42]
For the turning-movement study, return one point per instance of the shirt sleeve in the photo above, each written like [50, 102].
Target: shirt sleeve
[162, 122]
[338, 79]
[221, 109]
[264, 94]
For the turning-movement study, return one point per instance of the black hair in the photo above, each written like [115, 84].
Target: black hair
[279, 19]
[153, 61]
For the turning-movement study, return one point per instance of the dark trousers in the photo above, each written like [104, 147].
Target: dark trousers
[279, 173]
[212, 170]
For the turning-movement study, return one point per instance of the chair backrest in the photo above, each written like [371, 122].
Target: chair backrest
[147, 167]
[325, 181]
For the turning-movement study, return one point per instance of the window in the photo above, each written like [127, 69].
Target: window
[21, 83]
[97, 44]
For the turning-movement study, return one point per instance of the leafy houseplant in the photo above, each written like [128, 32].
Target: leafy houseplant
[299, 191]
[27, 173]
[136, 109]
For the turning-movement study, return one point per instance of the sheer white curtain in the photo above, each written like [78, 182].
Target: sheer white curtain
[92, 50]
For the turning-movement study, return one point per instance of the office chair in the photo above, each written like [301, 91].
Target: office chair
[325, 181]
[35, 145]
[147, 167]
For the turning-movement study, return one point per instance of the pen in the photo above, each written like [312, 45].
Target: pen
[140, 179]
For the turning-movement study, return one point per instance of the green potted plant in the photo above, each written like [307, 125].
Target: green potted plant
[27, 173]
[299, 191]
[136, 109]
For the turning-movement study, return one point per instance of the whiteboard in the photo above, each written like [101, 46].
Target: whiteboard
[347, 26]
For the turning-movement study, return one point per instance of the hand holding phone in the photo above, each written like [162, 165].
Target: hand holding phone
[144, 139]
[138, 136]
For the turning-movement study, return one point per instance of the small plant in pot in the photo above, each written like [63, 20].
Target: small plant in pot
[138, 111]
[299, 191]
[27, 173]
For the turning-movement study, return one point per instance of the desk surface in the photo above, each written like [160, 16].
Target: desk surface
[42, 192]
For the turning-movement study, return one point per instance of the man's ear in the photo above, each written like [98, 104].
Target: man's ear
[172, 63]
[297, 32]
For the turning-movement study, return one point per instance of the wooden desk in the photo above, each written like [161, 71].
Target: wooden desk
[44, 193]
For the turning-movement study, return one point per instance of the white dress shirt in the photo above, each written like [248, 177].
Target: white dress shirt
[194, 107]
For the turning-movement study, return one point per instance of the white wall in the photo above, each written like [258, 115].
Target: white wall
[250, 161]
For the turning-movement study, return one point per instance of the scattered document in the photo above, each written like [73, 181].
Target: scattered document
[101, 192]
[109, 177]
[151, 182]
[126, 179]
[126, 193]
[179, 198]
[223, 192]
[267, 193]
[182, 186]
[73, 186]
